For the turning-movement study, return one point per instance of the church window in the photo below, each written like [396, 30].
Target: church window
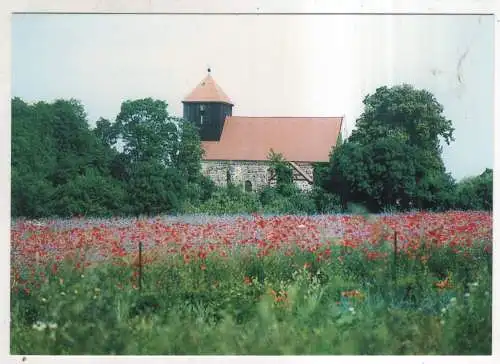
[202, 113]
[248, 186]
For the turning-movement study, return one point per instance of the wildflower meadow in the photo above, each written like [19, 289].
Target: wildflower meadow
[417, 283]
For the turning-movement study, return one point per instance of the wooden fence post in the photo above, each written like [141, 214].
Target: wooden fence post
[395, 262]
[140, 265]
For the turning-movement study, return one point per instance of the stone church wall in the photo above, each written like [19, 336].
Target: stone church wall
[258, 173]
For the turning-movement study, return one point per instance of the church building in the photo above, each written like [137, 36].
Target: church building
[237, 147]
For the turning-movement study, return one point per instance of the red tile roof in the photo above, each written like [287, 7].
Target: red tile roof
[208, 91]
[298, 139]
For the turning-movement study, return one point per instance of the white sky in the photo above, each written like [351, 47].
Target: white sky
[269, 65]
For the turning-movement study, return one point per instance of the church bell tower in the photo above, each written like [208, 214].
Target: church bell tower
[207, 107]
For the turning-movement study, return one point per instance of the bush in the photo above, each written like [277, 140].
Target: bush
[287, 199]
[476, 193]
[32, 196]
[229, 200]
[153, 189]
[326, 202]
[90, 194]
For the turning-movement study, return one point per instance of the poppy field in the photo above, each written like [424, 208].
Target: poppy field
[418, 283]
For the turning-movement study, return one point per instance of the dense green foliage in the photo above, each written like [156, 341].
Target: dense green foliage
[275, 304]
[476, 193]
[62, 167]
[148, 162]
[393, 157]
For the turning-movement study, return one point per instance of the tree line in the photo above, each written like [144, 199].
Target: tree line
[147, 162]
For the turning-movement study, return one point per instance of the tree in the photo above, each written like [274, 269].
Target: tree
[147, 131]
[154, 189]
[188, 160]
[476, 193]
[162, 157]
[90, 194]
[106, 132]
[372, 175]
[31, 195]
[59, 166]
[190, 153]
[485, 189]
[281, 168]
[413, 115]
[33, 148]
[33, 159]
[107, 158]
[393, 157]
[62, 167]
[74, 141]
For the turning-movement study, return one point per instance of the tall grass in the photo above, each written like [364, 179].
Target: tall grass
[281, 303]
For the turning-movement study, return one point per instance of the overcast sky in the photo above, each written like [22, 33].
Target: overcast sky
[302, 65]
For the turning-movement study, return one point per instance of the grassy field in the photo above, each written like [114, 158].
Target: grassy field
[331, 285]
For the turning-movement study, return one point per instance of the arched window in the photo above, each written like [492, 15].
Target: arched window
[248, 186]
[270, 173]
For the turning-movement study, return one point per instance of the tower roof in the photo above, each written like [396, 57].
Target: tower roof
[208, 91]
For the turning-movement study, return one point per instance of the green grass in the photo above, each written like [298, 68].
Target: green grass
[183, 309]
